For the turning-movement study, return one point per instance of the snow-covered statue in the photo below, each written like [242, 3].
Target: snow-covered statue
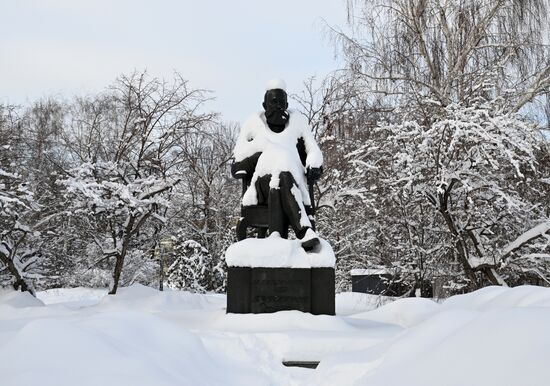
[276, 151]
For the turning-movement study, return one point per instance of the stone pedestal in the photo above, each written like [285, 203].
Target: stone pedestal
[276, 274]
[263, 290]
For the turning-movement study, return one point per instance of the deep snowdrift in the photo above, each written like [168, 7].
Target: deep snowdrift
[495, 336]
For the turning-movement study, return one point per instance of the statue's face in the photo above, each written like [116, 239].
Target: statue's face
[275, 105]
[275, 100]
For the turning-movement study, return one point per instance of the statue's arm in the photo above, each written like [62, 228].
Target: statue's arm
[314, 158]
[245, 167]
[246, 152]
[312, 173]
[310, 154]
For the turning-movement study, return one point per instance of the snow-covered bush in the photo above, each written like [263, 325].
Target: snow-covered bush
[19, 255]
[457, 189]
[194, 269]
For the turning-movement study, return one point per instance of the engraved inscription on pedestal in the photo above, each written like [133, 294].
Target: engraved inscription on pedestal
[280, 289]
[260, 290]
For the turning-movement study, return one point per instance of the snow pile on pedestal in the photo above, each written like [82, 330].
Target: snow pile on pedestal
[276, 252]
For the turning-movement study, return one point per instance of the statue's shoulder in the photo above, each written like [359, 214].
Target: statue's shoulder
[253, 122]
[298, 120]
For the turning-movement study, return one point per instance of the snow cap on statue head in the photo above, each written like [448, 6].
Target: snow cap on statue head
[275, 84]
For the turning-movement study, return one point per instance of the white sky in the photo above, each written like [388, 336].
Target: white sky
[67, 47]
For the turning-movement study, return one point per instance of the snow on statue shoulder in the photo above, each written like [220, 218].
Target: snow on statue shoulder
[278, 152]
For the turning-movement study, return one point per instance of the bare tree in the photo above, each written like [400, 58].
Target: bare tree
[18, 257]
[206, 203]
[419, 75]
[125, 140]
[448, 50]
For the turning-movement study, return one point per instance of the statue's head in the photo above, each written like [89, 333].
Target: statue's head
[275, 105]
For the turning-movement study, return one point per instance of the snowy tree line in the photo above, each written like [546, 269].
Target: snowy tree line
[435, 133]
[437, 167]
[91, 187]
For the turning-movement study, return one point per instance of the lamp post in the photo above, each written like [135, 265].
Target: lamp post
[165, 246]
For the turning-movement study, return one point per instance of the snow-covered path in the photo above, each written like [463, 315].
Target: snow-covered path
[495, 336]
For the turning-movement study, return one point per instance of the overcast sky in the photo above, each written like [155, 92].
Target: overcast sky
[68, 47]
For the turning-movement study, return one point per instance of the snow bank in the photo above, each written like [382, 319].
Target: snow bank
[72, 297]
[139, 297]
[494, 336]
[293, 335]
[276, 252]
[348, 303]
[406, 312]
[501, 297]
[107, 346]
[504, 347]
[111, 349]
[16, 299]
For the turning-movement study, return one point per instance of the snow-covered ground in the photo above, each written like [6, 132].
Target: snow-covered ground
[79, 337]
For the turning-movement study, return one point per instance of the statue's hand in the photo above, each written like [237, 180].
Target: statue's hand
[245, 168]
[237, 171]
[313, 174]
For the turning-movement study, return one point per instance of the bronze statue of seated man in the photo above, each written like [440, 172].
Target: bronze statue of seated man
[277, 152]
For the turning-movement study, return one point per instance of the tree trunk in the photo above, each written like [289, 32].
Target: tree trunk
[20, 283]
[125, 240]
[161, 273]
[460, 243]
[116, 273]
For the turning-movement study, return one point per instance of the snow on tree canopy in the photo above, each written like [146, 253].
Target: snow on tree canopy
[279, 153]
[452, 189]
